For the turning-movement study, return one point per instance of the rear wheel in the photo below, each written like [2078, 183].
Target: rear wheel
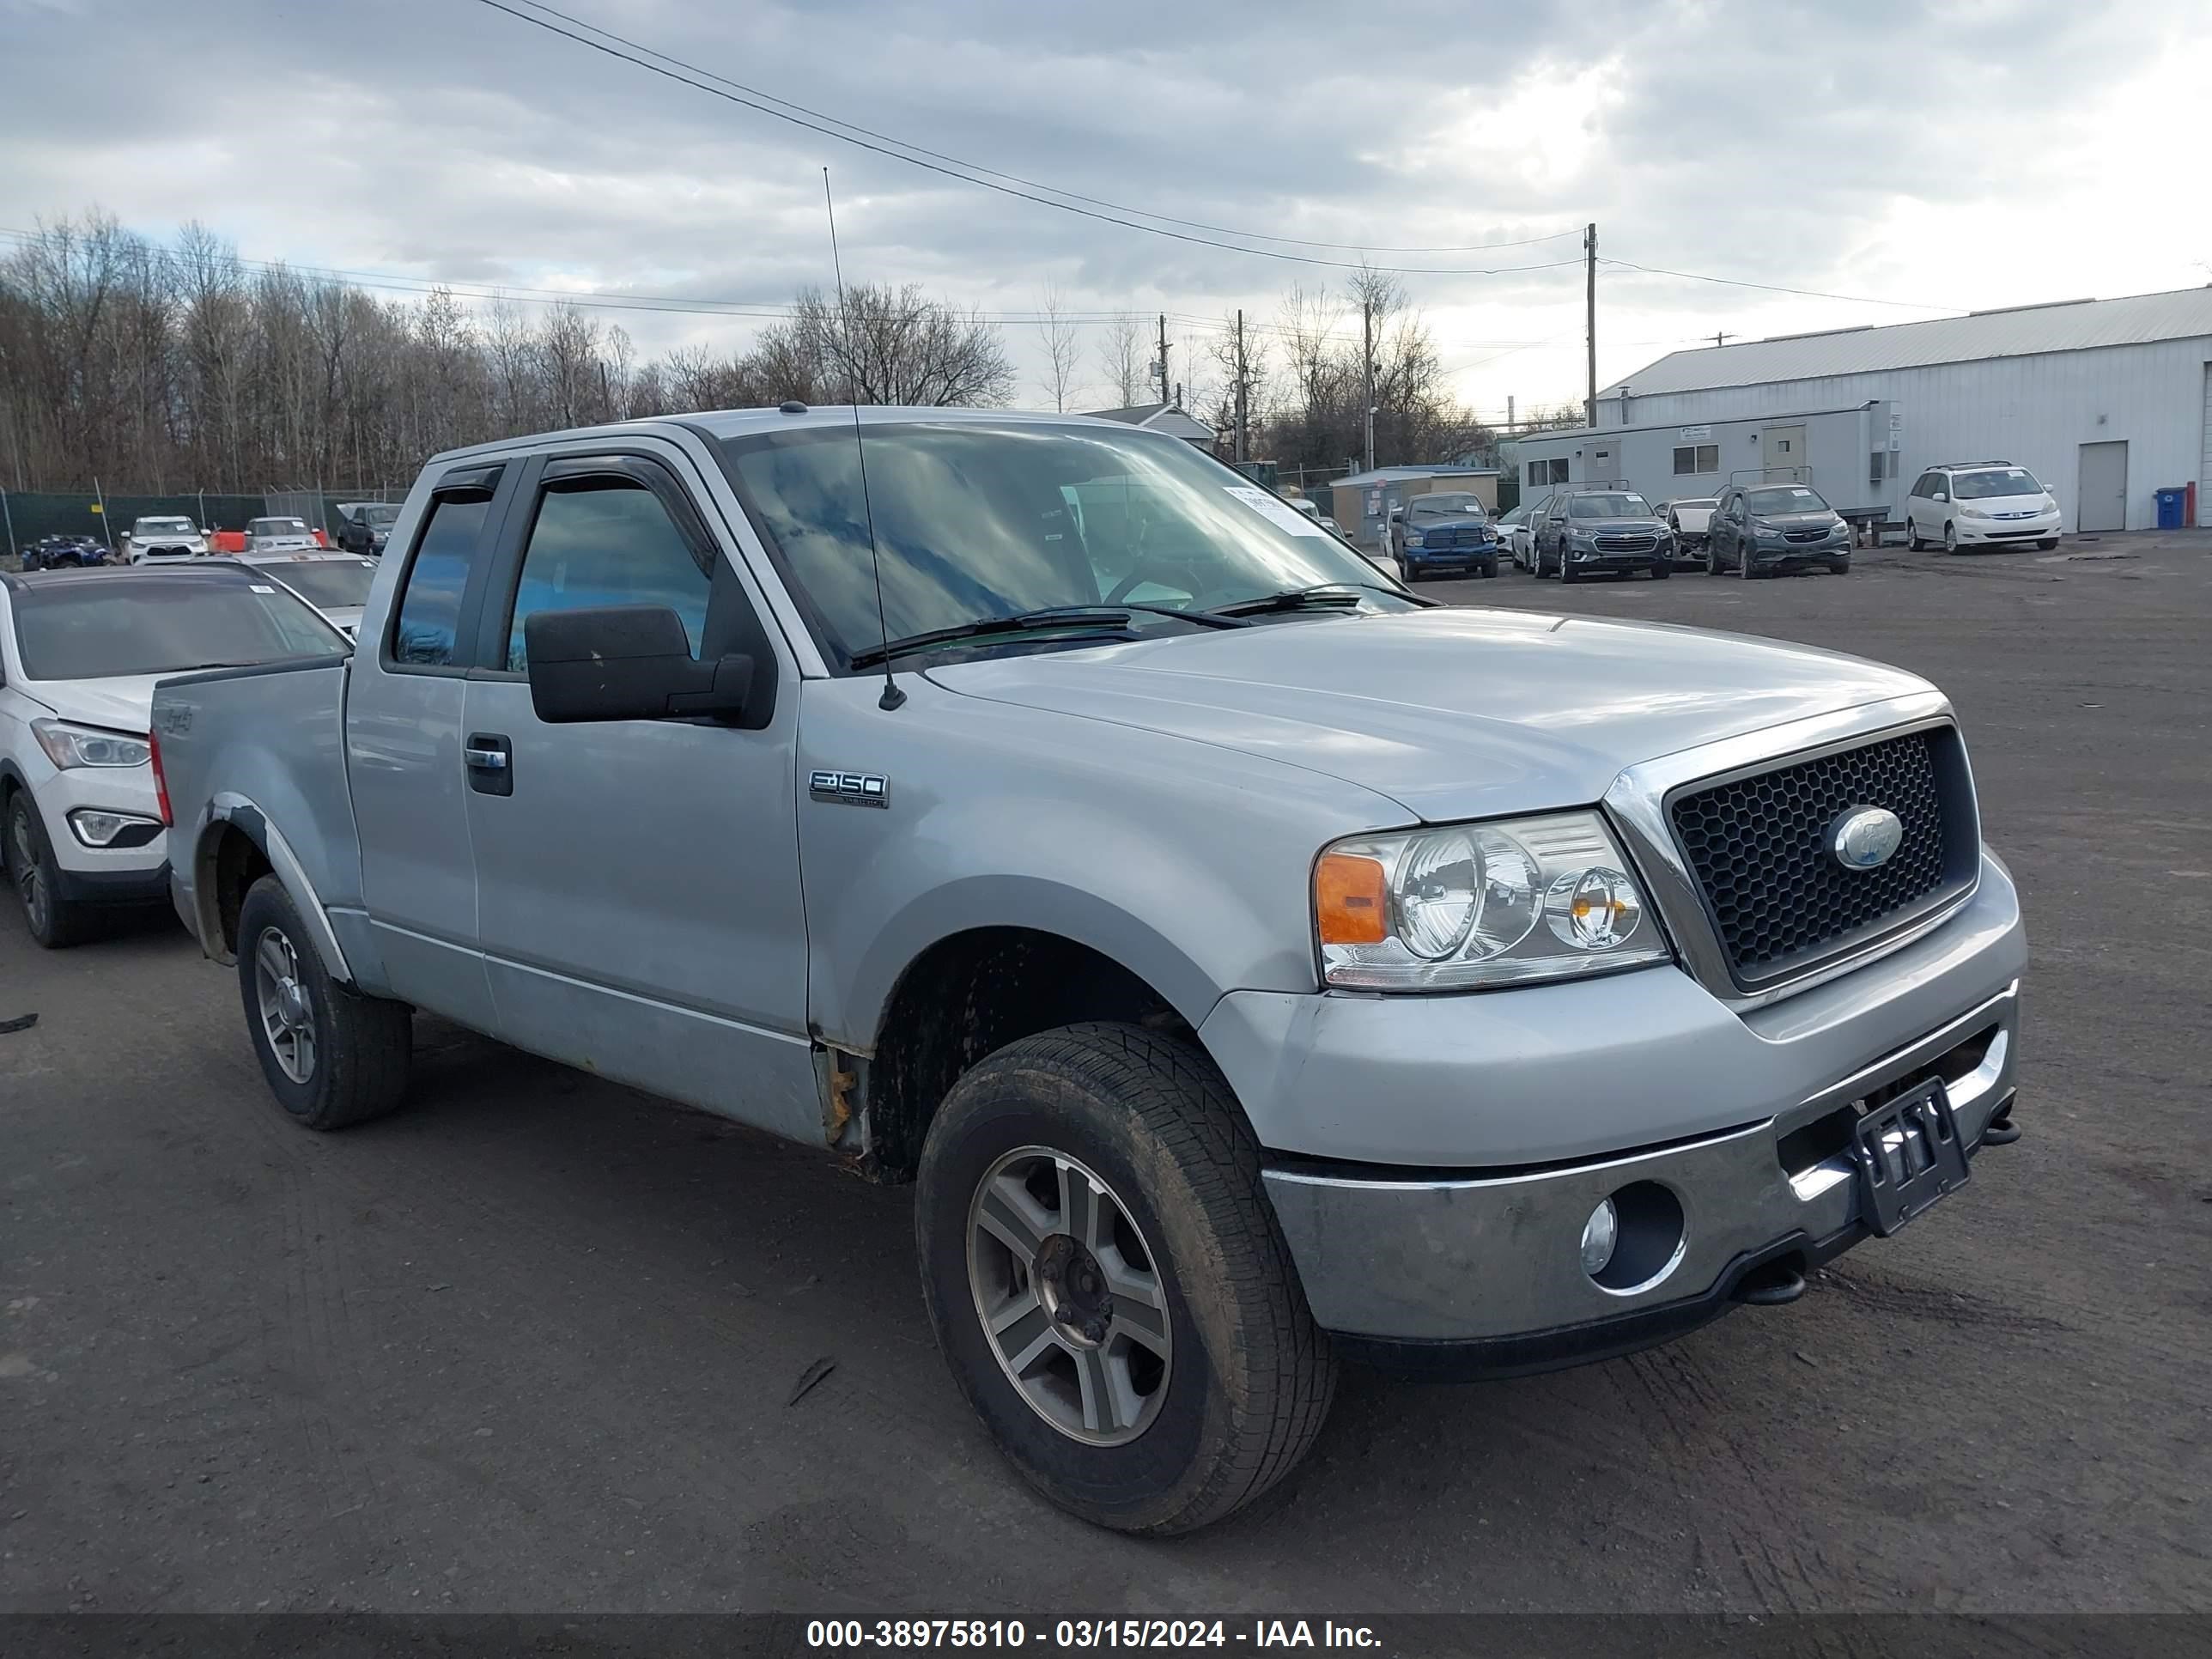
[332, 1056]
[54, 921]
[1108, 1282]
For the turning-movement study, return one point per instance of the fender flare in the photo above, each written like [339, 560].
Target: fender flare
[236, 812]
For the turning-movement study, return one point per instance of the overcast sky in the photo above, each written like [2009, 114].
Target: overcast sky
[1984, 152]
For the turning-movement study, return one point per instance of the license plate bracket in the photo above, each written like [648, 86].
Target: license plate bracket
[1908, 1154]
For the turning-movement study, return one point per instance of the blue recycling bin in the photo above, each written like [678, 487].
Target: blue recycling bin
[2169, 507]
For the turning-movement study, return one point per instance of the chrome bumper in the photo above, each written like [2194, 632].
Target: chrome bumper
[1466, 1260]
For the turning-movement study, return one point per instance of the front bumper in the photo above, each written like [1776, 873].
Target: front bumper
[1504, 1115]
[2044, 527]
[102, 875]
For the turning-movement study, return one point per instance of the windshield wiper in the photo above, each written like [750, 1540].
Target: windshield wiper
[1329, 596]
[1108, 618]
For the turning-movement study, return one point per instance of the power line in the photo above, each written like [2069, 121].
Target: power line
[1015, 178]
[1003, 189]
[1771, 287]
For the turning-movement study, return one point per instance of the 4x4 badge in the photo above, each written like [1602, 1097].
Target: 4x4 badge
[851, 788]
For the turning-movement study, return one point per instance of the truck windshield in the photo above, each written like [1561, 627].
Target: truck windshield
[327, 582]
[1445, 507]
[162, 527]
[975, 521]
[89, 630]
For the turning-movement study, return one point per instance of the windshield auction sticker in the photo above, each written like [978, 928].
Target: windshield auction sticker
[1275, 507]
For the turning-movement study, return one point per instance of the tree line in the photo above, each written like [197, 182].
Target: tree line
[182, 366]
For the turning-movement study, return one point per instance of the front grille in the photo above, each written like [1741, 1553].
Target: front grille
[1760, 848]
[1818, 534]
[1438, 541]
[1625, 544]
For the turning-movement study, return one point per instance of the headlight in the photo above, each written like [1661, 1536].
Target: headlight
[1480, 904]
[1413, 539]
[1580, 539]
[1766, 532]
[69, 746]
[1974, 513]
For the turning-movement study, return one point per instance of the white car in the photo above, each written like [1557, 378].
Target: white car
[1516, 529]
[279, 536]
[1691, 519]
[163, 541]
[336, 584]
[81, 810]
[1978, 504]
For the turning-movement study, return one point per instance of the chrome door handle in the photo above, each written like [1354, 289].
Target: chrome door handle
[491, 760]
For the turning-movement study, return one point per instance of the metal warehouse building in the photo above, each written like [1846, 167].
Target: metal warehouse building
[2106, 401]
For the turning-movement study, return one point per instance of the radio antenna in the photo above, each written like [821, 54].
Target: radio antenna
[892, 697]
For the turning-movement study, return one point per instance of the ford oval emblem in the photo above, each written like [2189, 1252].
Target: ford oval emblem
[1865, 837]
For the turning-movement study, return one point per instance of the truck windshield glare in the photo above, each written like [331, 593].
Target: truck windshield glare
[157, 627]
[975, 521]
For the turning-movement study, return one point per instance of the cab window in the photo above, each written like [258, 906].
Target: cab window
[606, 540]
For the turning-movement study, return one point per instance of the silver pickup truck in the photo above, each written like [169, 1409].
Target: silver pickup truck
[1255, 965]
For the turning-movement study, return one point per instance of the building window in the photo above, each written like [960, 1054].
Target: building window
[1689, 459]
[1559, 471]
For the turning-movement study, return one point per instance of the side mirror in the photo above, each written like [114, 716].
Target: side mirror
[625, 662]
[1396, 513]
[1940, 497]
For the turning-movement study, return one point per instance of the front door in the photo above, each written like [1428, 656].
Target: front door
[638, 880]
[404, 706]
[1781, 453]
[2104, 497]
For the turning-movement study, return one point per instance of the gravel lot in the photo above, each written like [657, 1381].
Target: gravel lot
[528, 1344]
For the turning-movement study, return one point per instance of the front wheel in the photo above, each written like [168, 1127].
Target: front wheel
[332, 1056]
[1108, 1282]
[1950, 539]
[2047, 543]
[1660, 572]
[53, 920]
[1840, 566]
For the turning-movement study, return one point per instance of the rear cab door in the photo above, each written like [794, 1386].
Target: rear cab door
[405, 702]
[638, 882]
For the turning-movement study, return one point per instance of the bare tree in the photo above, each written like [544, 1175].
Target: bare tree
[896, 346]
[1063, 348]
[1121, 358]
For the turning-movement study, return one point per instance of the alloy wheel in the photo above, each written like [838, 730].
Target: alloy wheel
[288, 1016]
[29, 869]
[1070, 1296]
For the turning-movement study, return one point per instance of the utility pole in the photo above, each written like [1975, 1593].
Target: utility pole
[1723, 339]
[1163, 357]
[1589, 270]
[1244, 429]
[1509, 412]
[1367, 371]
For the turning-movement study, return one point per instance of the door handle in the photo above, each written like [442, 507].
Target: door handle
[489, 760]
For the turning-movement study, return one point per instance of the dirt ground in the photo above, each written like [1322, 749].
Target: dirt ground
[528, 1344]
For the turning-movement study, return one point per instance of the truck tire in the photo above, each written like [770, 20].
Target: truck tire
[1108, 1282]
[54, 921]
[332, 1057]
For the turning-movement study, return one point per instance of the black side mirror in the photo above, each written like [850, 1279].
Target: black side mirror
[625, 662]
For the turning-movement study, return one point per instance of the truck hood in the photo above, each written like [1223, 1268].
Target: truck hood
[1453, 714]
[119, 703]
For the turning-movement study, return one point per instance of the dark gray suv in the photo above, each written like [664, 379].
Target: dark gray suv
[1759, 530]
[1599, 530]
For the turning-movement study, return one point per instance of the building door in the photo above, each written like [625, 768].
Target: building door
[2204, 462]
[2104, 497]
[1781, 453]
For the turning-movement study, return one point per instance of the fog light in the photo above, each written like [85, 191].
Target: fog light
[1599, 1234]
[97, 829]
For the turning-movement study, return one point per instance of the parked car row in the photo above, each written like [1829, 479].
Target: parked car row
[1759, 530]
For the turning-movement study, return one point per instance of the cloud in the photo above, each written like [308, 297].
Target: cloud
[1974, 153]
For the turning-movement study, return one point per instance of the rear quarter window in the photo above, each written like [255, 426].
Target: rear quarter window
[430, 607]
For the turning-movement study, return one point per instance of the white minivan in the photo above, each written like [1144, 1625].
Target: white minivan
[1974, 503]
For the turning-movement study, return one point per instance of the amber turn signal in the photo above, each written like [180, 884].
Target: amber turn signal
[1352, 900]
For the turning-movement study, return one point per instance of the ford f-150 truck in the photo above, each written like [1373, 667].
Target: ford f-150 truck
[1255, 965]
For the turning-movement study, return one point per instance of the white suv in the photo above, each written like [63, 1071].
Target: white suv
[81, 808]
[1970, 503]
